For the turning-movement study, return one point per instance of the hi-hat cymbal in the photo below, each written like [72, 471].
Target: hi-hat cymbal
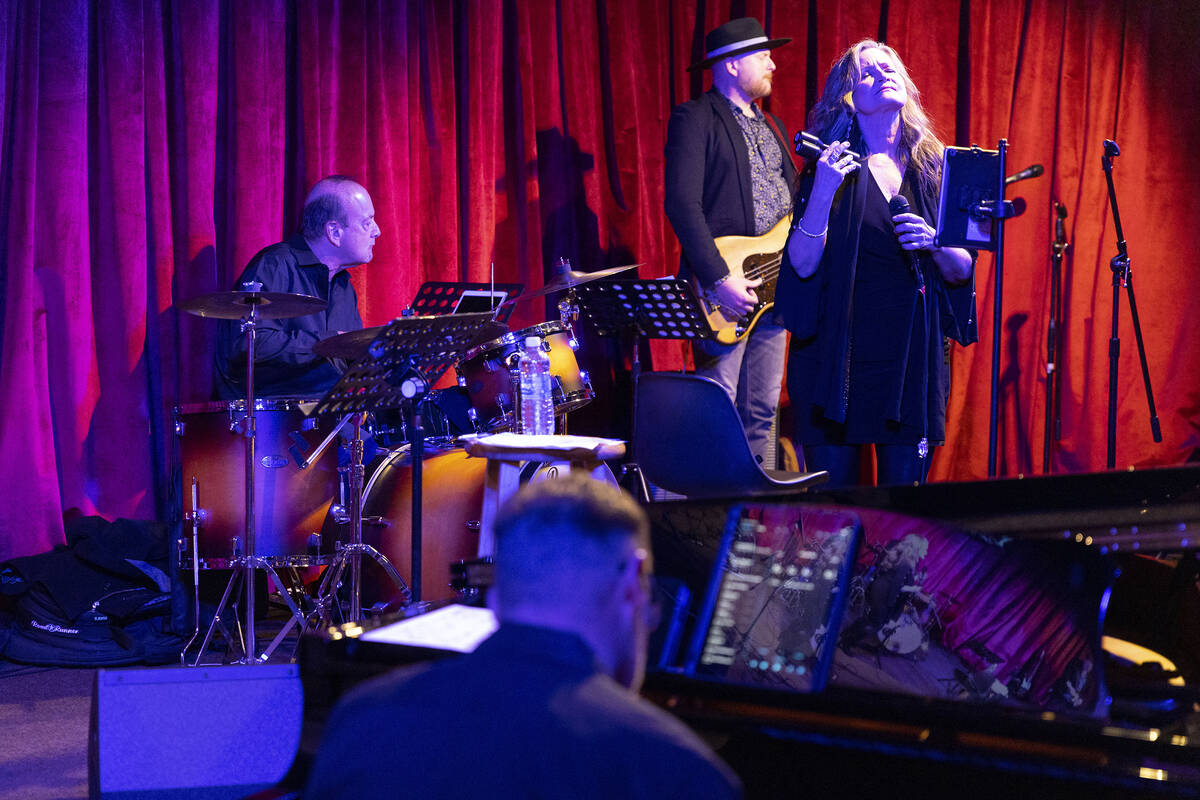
[350, 345]
[235, 305]
[353, 345]
[572, 278]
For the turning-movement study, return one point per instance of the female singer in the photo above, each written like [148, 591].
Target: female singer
[866, 293]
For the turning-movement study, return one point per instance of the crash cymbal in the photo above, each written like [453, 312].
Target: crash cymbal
[353, 345]
[235, 305]
[572, 278]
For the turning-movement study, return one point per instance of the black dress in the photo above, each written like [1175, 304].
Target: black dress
[888, 307]
[866, 362]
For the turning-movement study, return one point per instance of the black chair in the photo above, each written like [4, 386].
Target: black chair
[688, 439]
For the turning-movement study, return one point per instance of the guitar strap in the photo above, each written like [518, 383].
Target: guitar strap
[782, 136]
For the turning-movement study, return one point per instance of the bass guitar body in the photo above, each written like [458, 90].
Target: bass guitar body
[752, 257]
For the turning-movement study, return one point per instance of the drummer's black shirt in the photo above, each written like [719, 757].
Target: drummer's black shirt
[285, 365]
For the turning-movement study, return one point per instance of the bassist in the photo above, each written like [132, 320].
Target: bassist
[729, 173]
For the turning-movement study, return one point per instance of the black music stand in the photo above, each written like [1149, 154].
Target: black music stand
[436, 298]
[665, 308]
[401, 364]
[657, 309]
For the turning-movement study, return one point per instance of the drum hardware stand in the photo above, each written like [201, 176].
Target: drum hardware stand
[245, 305]
[352, 552]
[1122, 275]
[195, 515]
[406, 358]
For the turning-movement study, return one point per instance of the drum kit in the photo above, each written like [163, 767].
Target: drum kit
[283, 459]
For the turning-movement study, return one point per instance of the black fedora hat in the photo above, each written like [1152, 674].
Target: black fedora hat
[735, 38]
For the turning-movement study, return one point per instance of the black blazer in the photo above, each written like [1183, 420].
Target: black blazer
[708, 188]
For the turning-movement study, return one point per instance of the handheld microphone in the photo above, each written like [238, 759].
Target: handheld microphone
[1060, 214]
[899, 205]
[1028, 172]
[809, 147]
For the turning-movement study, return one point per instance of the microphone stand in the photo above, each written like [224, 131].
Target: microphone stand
[1053, 426]
[998, 299]
[1122, 275]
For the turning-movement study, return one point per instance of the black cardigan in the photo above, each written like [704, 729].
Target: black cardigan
[708, 187]
[817, 309]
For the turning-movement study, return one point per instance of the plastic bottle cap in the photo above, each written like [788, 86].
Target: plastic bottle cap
[533, 341]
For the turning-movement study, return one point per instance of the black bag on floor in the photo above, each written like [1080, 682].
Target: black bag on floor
[102, 600]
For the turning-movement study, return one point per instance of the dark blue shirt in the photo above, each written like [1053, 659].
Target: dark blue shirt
[528, 715]
[285, 365]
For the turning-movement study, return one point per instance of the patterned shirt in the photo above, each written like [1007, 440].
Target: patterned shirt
[772, 195]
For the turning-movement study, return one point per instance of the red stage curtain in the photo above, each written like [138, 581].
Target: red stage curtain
[150, 147]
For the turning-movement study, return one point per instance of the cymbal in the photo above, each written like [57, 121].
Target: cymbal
[235, 305]
[572, 278]
[353, 345]
[349, 345]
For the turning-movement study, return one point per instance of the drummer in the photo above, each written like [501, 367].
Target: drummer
[337, 230]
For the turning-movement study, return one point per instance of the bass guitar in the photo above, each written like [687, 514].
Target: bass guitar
[752, 257]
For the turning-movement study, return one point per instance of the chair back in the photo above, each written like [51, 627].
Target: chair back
[689, 439]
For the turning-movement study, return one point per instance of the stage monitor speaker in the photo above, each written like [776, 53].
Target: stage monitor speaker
[195, 732]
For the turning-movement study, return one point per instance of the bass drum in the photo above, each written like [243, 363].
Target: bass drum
[452, 491]
[903, 635]
[452, 485]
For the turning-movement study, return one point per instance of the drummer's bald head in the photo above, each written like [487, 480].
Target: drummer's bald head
[325, 203]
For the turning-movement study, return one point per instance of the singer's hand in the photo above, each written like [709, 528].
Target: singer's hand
[913, 232]
[736, 294]
[832, 168]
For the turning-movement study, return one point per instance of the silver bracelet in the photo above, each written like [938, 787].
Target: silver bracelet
[800, 227]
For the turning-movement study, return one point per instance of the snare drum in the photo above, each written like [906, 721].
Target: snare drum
[487, 374]
[289, 503]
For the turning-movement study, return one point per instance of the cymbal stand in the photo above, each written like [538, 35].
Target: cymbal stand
[246, 562]
[351, 554]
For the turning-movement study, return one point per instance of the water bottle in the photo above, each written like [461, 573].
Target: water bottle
[537, 400]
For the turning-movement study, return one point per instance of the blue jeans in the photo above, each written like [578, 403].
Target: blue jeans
[751, 373]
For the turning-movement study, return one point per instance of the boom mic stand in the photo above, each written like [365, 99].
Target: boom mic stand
[1122, 275]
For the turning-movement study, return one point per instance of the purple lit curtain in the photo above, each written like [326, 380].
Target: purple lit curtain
[150, 147]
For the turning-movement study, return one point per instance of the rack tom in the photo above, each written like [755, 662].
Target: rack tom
[487, 373]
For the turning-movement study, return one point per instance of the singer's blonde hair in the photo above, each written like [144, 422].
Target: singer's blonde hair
[832, 118]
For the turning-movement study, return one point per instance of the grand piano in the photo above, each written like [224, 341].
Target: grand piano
[1017, 637]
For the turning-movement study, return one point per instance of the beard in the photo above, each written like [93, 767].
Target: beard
[756, 88]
